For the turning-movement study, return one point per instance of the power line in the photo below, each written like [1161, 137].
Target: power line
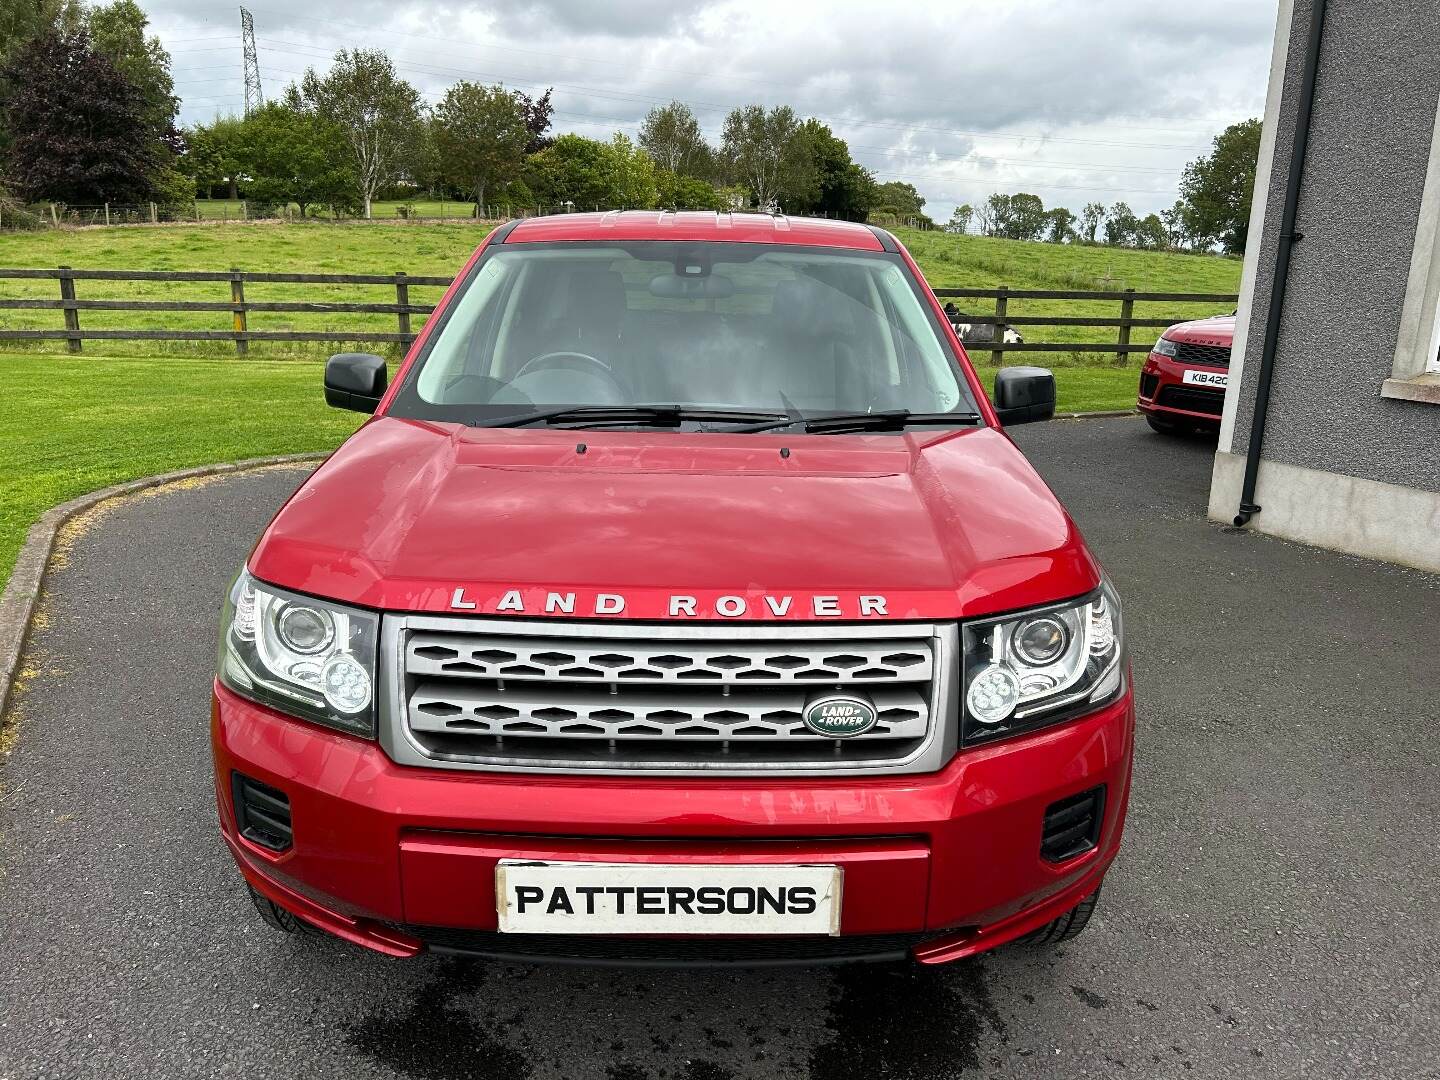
[317, 52]
[629, 66]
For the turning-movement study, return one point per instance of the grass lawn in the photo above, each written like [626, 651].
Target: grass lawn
[69, 425]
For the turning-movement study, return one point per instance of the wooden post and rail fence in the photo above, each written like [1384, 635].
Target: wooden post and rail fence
[240, 306]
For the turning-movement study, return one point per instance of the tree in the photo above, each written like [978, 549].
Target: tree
[902, 201]
[213, 155]
[294, 156]
[686, 193]
[985, 218]
[762, 150]
[1027, 216]
[78, 129]
[823, 178]
[1150, 233]
[1174, 222]
[1060, 225]
[1121, 225]
[589, 173]
[1217, 190]
[671, 136]
[117, 31]
[378, 111]
[1090, 218]
[960, 219]
[481, 133]
[21, 21]
[537, 112]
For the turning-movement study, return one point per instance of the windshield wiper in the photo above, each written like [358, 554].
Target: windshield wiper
[888, 419]
[656, 415]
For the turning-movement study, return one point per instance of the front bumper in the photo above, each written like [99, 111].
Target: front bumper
[1165, 395]
[940, 865]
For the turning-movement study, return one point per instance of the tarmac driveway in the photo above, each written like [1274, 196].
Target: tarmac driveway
[1274, 912]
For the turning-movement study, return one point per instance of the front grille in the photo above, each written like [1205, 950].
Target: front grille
[489, 693]
[1193, 399]
[262, 813]
[1188, 352]
[1072, 826]
[1148, 379]
[656, 951]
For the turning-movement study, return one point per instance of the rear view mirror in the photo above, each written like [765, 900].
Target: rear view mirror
[676, 287]
[355, 381]
[1024, 394]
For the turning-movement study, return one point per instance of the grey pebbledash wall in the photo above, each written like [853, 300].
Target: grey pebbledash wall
[1374, 115]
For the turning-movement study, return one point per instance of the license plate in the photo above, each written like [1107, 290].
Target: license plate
[1207, 378]
[639, 898]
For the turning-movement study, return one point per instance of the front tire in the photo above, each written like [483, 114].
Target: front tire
[1164, 427]
[1067, 926]
[275, 916]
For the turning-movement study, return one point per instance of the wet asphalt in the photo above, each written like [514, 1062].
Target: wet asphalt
[1274, 913]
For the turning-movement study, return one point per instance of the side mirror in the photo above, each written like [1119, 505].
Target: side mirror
[354, 381]
[1024, 394]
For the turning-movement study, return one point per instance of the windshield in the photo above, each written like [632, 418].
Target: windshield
[787, 330]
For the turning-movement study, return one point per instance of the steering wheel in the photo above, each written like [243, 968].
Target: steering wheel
[565, 359]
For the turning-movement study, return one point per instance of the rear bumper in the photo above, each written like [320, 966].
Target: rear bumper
[940, 866]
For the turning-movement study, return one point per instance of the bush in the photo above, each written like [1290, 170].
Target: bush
[15, 215]
[172, 190]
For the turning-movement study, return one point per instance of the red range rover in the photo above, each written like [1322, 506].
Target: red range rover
[684, 601]
[1183, 380]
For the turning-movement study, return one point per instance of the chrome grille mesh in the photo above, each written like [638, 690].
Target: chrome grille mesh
[672, 698]
[560, 660]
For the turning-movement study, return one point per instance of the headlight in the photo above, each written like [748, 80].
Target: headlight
[1041, 666]
[1166, 347]
[303, 656]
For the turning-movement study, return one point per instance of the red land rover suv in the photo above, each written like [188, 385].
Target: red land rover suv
[1183, 380]
[684, 601]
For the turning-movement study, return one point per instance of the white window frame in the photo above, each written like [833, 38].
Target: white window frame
[1416, 372]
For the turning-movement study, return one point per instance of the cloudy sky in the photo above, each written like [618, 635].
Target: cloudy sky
[1076, 102]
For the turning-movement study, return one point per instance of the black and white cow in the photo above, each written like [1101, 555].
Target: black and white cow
[978, 333]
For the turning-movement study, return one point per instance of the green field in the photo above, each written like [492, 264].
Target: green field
[436, 248]
[69, 425]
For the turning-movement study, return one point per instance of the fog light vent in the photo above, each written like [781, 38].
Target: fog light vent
[1072, 826]
[262, 814]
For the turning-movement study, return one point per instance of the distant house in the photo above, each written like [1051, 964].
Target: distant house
[1350, 454]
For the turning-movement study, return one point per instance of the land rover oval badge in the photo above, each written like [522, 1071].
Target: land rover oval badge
[840, 716]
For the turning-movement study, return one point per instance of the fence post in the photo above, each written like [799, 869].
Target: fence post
[54, 217]
[154, 218]
[72, 314]
[997, 357]
[237, 297]
[1127, 312]
[244, 209]
[402, 297]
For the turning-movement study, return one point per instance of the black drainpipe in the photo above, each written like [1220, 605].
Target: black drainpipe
[1288, 238]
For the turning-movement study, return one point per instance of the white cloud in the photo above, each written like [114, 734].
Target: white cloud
[1075, 102]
